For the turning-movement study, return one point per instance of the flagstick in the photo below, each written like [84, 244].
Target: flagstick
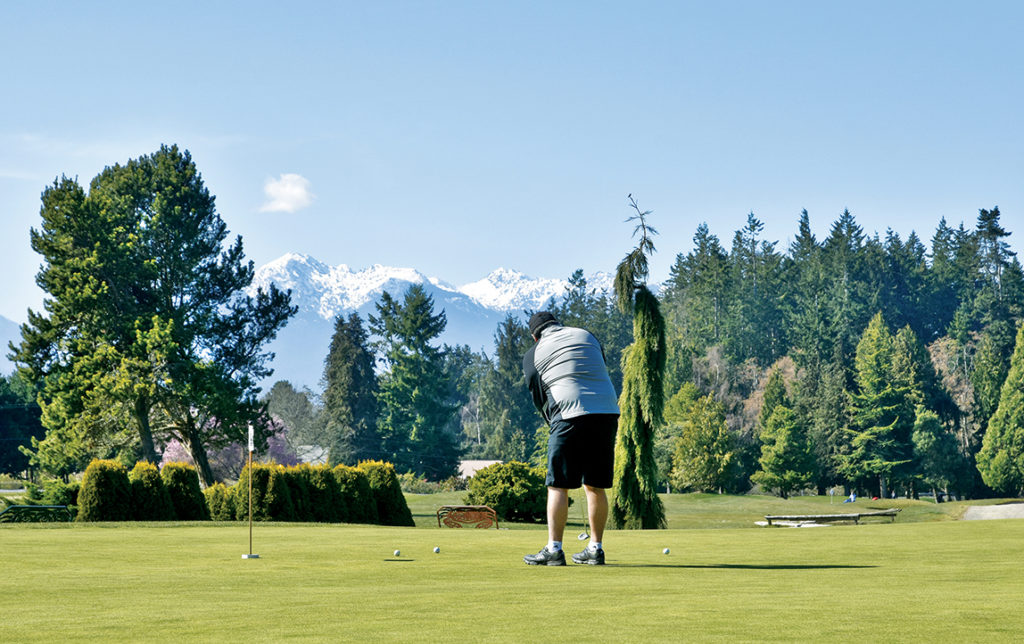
[250, 555]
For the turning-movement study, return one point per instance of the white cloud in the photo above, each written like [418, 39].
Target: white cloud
[289, 193]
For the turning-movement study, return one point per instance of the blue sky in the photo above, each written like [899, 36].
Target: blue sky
[456, 137]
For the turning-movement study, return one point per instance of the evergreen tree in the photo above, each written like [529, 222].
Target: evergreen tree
[805, 310]
[754, 323]
[786, 460]
[705, 452]
[881, 436]
[636, 503]
[1001, 459]
[936, 456]
[300, 415]
[416, 412]
[148, 333]
[350, 395]
[19, 425]
[774, 395]
[506, 411]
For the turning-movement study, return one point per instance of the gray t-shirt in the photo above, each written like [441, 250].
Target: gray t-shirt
[567, 376]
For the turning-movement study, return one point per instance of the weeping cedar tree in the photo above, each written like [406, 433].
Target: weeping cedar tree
[637, 505]
[148, 332]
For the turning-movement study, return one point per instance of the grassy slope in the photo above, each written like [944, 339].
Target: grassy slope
[922, 581]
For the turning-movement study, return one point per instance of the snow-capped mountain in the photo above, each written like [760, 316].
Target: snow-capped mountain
[323, 292]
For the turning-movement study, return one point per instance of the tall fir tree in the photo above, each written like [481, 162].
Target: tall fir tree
[636, 504]
[350, 395]
[416, 408]
[882, 410]
[506, 411]
[786, 460]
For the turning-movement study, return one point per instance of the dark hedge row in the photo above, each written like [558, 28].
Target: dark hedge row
[369, 493]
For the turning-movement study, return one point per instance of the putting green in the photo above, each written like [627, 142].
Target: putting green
[949, 581]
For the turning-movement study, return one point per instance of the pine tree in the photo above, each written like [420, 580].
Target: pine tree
[350, 395]
[1001, 459]
[641, 402]
[936, 456]
[786, 460]
[508, 416]
[148, 332]
[416, 411]
[882, 409]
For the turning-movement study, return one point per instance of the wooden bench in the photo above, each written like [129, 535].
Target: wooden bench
[463, 516]
[828, 518]
[35, 513]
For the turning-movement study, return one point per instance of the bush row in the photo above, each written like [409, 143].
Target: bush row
[369, 493]
[110, 493]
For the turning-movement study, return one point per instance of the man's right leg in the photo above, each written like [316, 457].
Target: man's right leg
[558, 514]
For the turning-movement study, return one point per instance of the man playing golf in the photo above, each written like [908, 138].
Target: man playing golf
[569, 381]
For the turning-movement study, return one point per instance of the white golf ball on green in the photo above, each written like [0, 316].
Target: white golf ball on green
[437, 549]
[665, 551]
[398, 553]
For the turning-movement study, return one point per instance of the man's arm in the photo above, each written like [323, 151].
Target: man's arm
[533, 382]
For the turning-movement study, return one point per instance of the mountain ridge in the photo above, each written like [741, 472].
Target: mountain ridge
[322, 292]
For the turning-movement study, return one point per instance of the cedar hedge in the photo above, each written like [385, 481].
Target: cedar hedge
[150, 499]
[182, 483]
[387, 493]
[106, 494]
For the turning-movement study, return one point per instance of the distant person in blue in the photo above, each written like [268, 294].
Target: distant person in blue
[853, 497]
[568, 379]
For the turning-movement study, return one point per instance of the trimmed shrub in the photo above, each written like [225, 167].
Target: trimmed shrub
[325, 501]
[279, 496]
[220, 500]
[354, 488]
[387, 493]
[260, 481]
[271, 494]
[514, 490]
[106, 494]
[298, 485]
[150, 499]
[182, 483]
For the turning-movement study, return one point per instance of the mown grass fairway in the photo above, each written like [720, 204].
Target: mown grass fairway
[949, 581]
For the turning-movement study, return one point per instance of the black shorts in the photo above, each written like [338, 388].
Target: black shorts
[582, 450]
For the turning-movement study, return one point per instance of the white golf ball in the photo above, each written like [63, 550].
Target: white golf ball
[398, 552]
[437, 549]
[665, 551]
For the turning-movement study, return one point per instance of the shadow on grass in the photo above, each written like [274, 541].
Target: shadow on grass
[744, 566]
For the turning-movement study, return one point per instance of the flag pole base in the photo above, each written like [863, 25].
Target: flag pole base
[250, 556]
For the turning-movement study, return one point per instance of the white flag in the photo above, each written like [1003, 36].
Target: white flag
[252, 447]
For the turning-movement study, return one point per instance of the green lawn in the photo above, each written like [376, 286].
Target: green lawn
[909, 581]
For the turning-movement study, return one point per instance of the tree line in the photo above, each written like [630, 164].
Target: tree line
[865, 361]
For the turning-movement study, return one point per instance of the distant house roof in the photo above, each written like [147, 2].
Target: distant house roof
[468, 468]
[312, 454]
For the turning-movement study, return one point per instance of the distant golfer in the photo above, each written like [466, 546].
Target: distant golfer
[569, 381]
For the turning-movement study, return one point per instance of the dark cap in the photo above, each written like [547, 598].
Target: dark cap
[541, 321]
